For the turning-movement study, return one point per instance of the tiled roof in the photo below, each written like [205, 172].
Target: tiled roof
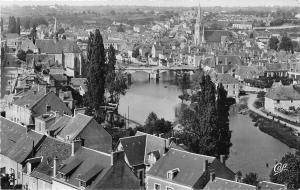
[267, 185]
[75, 125]
[31, 97]
[59, 77]
[10, 133]
[27, 44]
[220, 183]
[60, 123]
[276, 67]
[215, 35]
[49, 149]
[134, 148]
[190, 165]
[226, 79]
[118, 176]
[90, 159]
[290, 92]
[49, 46]
[78, 81]
[26, 143]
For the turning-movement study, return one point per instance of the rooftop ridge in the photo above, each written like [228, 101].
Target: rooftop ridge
[97, 151]
[194, 153]
[235, 182]
[272, 183]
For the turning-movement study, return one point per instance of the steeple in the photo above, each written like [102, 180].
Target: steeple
[199, 13]
[55, 25]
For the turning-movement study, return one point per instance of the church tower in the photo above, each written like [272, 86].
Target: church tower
[199, 29]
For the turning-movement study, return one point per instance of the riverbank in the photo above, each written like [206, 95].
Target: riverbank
[277, 130]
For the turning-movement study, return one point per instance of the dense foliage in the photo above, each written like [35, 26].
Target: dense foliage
[290, 174]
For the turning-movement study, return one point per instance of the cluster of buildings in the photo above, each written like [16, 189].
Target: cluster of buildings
[48, 143]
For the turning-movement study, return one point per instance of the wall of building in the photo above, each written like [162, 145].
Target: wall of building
[271, 104]
[151, 181]
[232, 90]
[56, 185]
[11, 166]
[19, 114]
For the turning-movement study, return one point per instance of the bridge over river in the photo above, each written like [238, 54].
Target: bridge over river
[154, 71]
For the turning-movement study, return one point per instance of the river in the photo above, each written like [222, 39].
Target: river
[251, 148]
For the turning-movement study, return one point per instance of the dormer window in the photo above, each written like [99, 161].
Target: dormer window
[82, 184]
[172, 173]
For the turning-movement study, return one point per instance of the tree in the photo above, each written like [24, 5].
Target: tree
[120, 28]
[153, 125]
[199, 120]
[1, 24]
[21, 55]
[116, 82]
[286, 44]
[251, 179]
[61, 31]
[273, 43]
[152, 117]
[223, 131]
[135, 53]
[18, 29]
[184, 84]
[12, 25]
[287, 171]
[94, 97]
[33, 34]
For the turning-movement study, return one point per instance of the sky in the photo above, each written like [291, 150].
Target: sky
[178, 3]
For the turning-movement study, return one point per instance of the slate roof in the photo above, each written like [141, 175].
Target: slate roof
[10, 133]
[267, 185]
[90, 158]
[60, 123]
[59, 77]
[134, 148]
[50, 148]
[215, 35]
[191, 168]
[226, 79]
[29, 98]
[49, 46]
[290, 92]
[23, 148]
[276, 67]
[220, 183]
[75, 125]
[78, 81]
[27, 44]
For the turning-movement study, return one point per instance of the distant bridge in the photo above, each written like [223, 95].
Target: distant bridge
[154, 71]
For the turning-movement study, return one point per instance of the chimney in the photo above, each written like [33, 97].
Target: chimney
[236, 178]
[226, 61]
[116, 156]
[222, 159]
[76, 144]
[212, 176]
[205, 165]
[217, 60]
[55, 166]
[30, 127]
[222, 69]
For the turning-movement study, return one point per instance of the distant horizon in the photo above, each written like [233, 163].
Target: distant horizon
[155, 3]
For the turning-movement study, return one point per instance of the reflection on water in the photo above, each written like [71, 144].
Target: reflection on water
[251, 149]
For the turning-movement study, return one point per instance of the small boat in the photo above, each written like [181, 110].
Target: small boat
[166, 86]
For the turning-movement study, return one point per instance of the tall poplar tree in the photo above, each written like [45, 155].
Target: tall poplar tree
[96, 76]
[18, 29]
[223, 131]
[199, 120]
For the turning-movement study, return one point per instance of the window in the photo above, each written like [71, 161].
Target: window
[291, 101]
[169, 188]
[156, 186]
[233, 92]
[82, 184]
[278, 101]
